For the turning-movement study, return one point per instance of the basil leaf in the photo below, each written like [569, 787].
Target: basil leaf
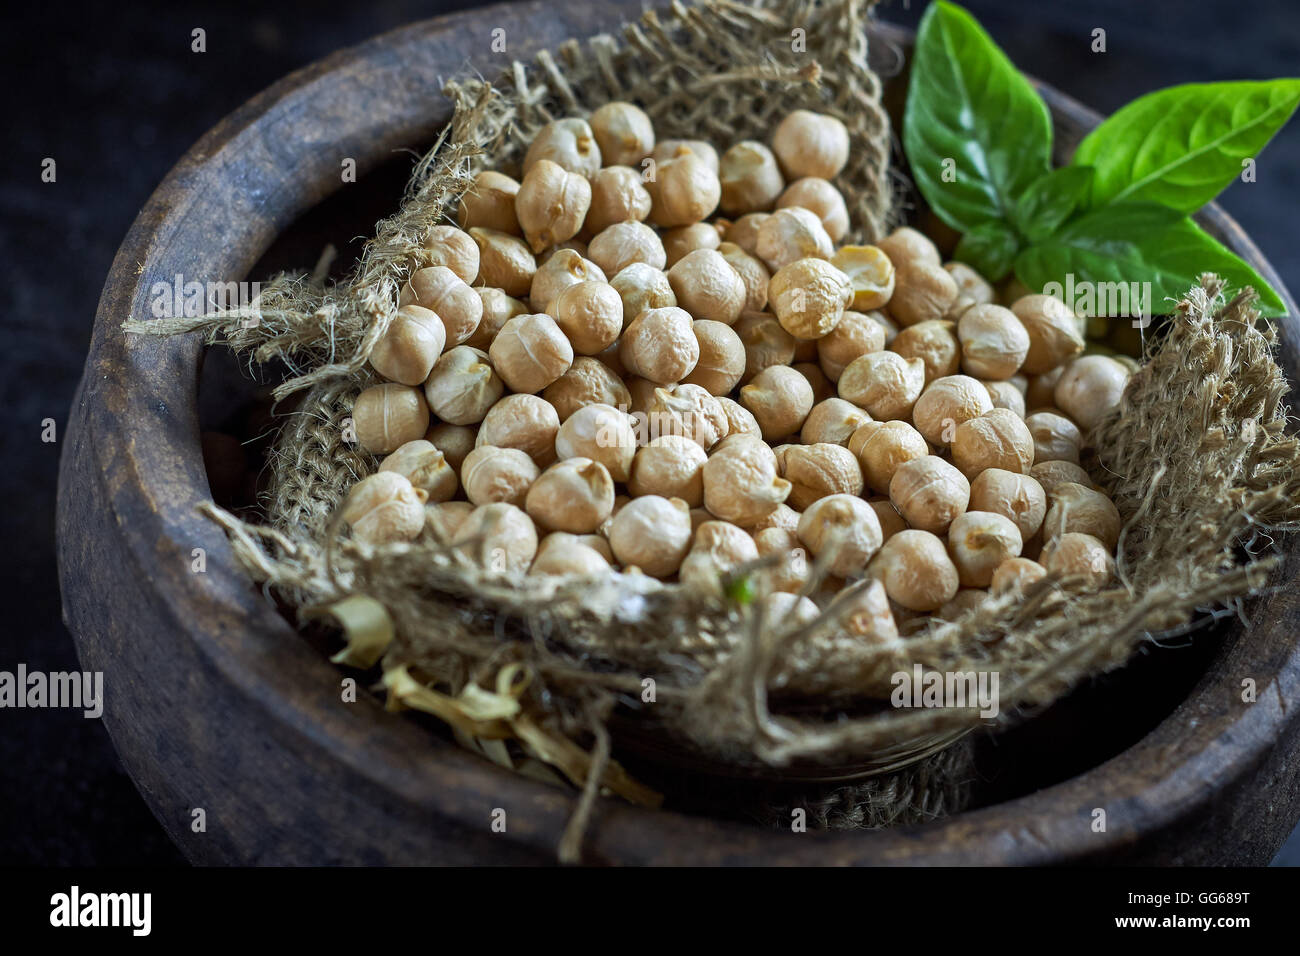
[1181, 146]
[1051, 200]
[990, 249]
[972, 119]
[1119, 247]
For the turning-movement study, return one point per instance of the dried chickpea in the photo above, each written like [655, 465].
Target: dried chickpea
[385, 507]
[387, 416]
[766, 343]
[871, 274]
[602, 434]
[818, 196]
[463, 386]
[1006, 395]
[1056, 438]
[623, 243]
[690, 411]
[504, 261]
[623, 133]
[782, 516]
[684, 190]
[884, 383]
[587, 382]
[497, 474]
[980, 541]
[791, 234]
[525, 422]
[1052, 474]
[425, 467]
[1090, 389]
[1053, 332]
[449, 246]
[1076, 554]
[993, 342]
[641, 393]
[1016, 575]
[945, 404]
[682, 241]
[845, 526]
[752, 273]
[443, 292]
[916, 571]
[498, 309]
[906, 245]
[809, 297]
[490, 204]
[444, 519]
[671, 466]
[1076, 507]
[972, 289]
[708, 287]
[552, 204]
[740, 420]
[886, 323]
[574, 495]
[1040, 389]
[855, 335]
[832, 420]
[811, 144]
[498, 537]
[780, 400]
[454, 441]
[792, 572]
[642, 287]
[923, 292]
[660, 345]
[570, 144]
[820, 470]
[934, 343]
[412, 343]
[881, 447]
[996, 439]
[741, 484]
[530, 352]
[717, 547]
[563, 553]
[652, 533]
[784, 612]
[891, 522]
[672, 148]
[823, 388]
[590, 314]
[617, 195]
[1017, 497]
[722, 358]
[929, 493]
[751, 180]
[744, 231]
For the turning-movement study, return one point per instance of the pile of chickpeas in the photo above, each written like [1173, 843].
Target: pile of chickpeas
[646, 358]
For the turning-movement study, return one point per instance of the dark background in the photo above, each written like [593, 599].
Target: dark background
[114, 94]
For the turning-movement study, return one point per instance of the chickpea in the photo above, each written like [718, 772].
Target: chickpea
[923, 292]
[972, 289]
[497, 474]
[1006, 395]
[993, 341]
[809, 297]
[718, 546]
[1056, 438]
[916, 571]
[525, 422]
[682, 241]
[906, 245]
[671, 466]
[562, 553]
[685, 190]
[1017, 575]
[552, 204]
[504, 261]
[1053, 332]
[490, 204]
[1017, 497]
[444, 519]
[855, 335]
[1040, 389]
[425, 467]
[741, 484]
[818, 471]
[871, 274]
[886, 323]
[652, 533]
[744, 231]
[832, 420]
[590, 314]
[996, 439]
[708, 287]
[530, 352]
[884, 383]
[462, 386]
[1076, 554]
[660, 345]
[587, 382]
[608, 357]
[602, 434]
[409, 347]
[623, 133]
[574, 495]
[929, 493]
[642, 287]
[891, 522]
[690, 411]
[820, 197]
[934, 343]
[791, 234]
[845, 526]
[980, 541]
[821, 385]
[881, 447]
[451, 247]
[740, 420]
[1052, 474]
[454, 441]
[570, 144]
[766, 343]
[641, 392]
[624, 243]
[498, 309]
[388, 416]
[670, 149]
[385, 507]
[1074, 507]
[780, 400]
[444, 293]
[498, 537]
[722, 358]
[945, 404]
[784, 612]
[750, 178]
[811, 144]
[752, 273]
[1090, 388]
[617, 195]
[782, 516]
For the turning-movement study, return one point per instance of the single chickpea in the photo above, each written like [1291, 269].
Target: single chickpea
[490, 204]
[602, 434]
[411, 344]
[574, 495]
[552, 204]
[623, 133]
[934, 343]
[1016, 575]
[722, 358]
[884, 383]
[845, 526]
[784, 612]
[1053, 329]
[1056, 438]
[425, 467]
[561, 553]
[1017, 497]
[978, 542]
[751, 180]
[1090, 389]
[717, 547]
[809, 297]
[525, 422]
[740, 420]
[1074, 507]
[972, 289]
[504, 261]
[690, 411]
[819, 471]
[780, 400]
[906, 245]
[855, 335]
[820, 197]
[791, 234]
[454, 441]
[1052, 474]
[570, 144]
[388, 416]
[708, 287]
[1040, 390]
[623, 243]
[685, 189]
[660, 345]
[530, 352]
[916, 571]
[682, 241]
[741, 484]
[832, 420]
[996, 439]
[671, 466]
[449, 246]
[444, 519]
[744, 231]
[891, 522]
[498, 309]
[617, 195]
[498, 537]
[766, 343]
[945, 404]
[642, 287]
[590, 314]
[463, 386]
[385, 507]
[1076, 554]
[923, 292]
[443, 292]
[587, 382]
[993, 342]
[1006, 395]
[871, 274]
[668, 149]
[929, 493]
[652, 533]
[881, 447]
[497, 474]
[811, 144]
[752, 273]
[782, 516]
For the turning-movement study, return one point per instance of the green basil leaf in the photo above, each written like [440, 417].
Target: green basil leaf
[975, 132]
[1118, 248]
[1181, 146]
[990, 249]
[1051, 200]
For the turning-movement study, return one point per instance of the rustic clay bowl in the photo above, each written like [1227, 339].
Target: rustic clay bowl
[214, 702]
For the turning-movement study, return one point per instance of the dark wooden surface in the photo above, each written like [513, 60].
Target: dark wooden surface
[220, 705]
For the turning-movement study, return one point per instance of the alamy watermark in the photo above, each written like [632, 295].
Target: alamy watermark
[73, 690]
[1111, 299]
[180, 299]
[920, 688]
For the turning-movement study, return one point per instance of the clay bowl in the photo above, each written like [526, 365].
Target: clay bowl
[214, 701]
